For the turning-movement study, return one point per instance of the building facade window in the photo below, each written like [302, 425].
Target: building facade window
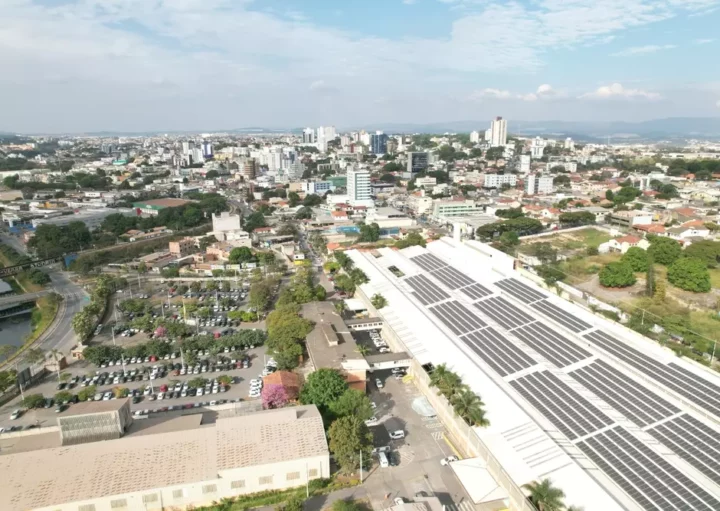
[313, 472]
[209, 488]
[292, 476]
[86, 507]
[118, 504]
[178, 494]
[235, 485]
[149, 498]
[266, 480]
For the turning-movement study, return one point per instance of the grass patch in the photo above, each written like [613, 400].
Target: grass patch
[43, 315]
[593, 237]
[715, 278]
[582, 269]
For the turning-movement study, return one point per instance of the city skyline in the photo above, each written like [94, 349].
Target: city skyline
[83, 65]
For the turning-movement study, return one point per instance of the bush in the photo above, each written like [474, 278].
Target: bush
[618, 274]
[690, 274]
[637, 258]
[33, 401]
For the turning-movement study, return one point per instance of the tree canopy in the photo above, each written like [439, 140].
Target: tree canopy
[637, 258]
[618, 274]
[664, 250]
[708, 251]
[690, 274]
[349, 436]
[522, 226]
[577, 218]
[323, 389]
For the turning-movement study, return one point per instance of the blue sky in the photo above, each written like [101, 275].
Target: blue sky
[82, 65]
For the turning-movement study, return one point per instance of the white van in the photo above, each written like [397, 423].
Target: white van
[383, 460]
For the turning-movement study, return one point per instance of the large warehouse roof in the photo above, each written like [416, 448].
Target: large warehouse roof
[569, 394]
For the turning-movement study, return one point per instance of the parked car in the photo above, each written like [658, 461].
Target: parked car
[397, 434]
[448, 460]
[15, 415]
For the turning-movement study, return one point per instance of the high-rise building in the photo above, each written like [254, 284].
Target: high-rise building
[475, 137]
[392, 146]
[249, 170]
[207, 149]
[537, 184]
[497, 180]
[186, 148]
[498, 132]
[308, 136]
[488, 135]
[417, 162]
[274, 159]
[524, 167]
[378, 143]
[569, 144]
[537, 147]
[197, 155]
[358, 186]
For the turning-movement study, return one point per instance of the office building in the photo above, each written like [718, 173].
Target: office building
[416, 162]
[392, 146]
[317, 187]
[538, 185]
[475, 137]
[498, 180]
[498, 132]
[358, 187]
[537, 147]
[249, 169]
[524, 164]
[176, 463]
[207, 149]
[378, 143]
[225, 222]
[274, 160]
[308, 136]
[444, 210]
[186, 147]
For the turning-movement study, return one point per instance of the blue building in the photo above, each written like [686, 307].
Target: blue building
[378, 143]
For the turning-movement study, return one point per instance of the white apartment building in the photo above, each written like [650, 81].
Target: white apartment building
[475, 137]
[175, 464]
[497, 180]
[537, 147]
[225, 222]
[498, 132]
[425, 182]
[524, 164]
[538, 185]
[569, 144]
[488, 135]
[443, 210]
[358, 187]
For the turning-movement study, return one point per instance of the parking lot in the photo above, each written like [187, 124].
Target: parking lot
[148, 403]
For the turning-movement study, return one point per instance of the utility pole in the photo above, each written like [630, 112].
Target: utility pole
[361, 469]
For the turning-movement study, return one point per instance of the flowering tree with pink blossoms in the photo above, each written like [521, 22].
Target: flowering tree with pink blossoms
[274, 396]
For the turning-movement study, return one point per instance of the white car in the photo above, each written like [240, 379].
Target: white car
[200, 392]
[254, 393]
[15, 415]
[397, 434]
[448, 460]
[372, 421]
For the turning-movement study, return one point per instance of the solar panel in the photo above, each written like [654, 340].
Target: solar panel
[476, 291]
[426, 291]
[567, 410]
[457, 317]
[452, 278]
[506, 314]
[625, 395]
[693, 441]
[563, 317]
[644, 475]
[669, 375]
[697, 381]
[499, 353]
[557, 349]
[428, 262]
[519, 290]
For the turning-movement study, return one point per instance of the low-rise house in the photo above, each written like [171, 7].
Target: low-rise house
[623, 244]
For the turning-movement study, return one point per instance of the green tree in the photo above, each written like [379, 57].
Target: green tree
[304, 213]
[690, 274]
[378, 301]
[577, 218]
[664, 250]
[241, 255]
[349, 436]
[447, 382]
[412, 239]
[352, 402]
[33, 401]
[33, 356]
[7, 379]
[369, 233]
[708, 251]
[470, 407]
[660, 290]
[637, 258]
[345, 283]
[618, 274]
[346, 505]
[544, 496]
[87, 393]
[259, 296]
[550, 274]
[63, 396]
[294, 503]
[510, 213]
[323, 388]
[83, 324]
[650, 278]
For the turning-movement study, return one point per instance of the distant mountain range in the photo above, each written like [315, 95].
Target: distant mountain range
[673, 129]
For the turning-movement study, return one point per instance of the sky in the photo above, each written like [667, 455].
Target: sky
[146, 65]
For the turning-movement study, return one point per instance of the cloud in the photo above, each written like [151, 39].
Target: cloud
[718, 103]
[409, 2]
[321, 86]
[703, 41]
[642, 50]
[544, 91]
[490, 94]
[617, 91]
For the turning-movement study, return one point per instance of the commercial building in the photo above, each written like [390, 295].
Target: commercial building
[358, 187]
[182, 248]
[416, 162]
[608, 416]
[155, 206]
[524, 164]
[308, 136]
[225, 222]
[498, 180]
[388, 218]
[630, 218]
[177, 463]
[444, 210]
[538, 185]
[249, 168]
[317, 187]
[378, 143]
[498, 132]
[91, 217]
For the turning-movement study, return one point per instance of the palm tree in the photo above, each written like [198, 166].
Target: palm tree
[340, 307]
[470, 407]
[545, 496]
[362, 349]
[450, 385]
[378, 301]
[438, 374]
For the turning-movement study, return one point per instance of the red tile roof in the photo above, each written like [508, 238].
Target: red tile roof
[632, 240]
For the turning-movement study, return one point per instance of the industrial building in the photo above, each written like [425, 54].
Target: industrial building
[153, 207]
[609, 416]
[177, 463]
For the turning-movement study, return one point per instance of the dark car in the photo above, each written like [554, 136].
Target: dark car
[61, 386]
[393, 459]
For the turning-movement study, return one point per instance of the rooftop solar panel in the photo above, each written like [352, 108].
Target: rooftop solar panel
[428, 262]
[452, 278]
[693, 441]
[457, 318]
[568, 320]
[499, 353]
[559, 350]
[506, 314]
[645, 476]
[476, 291]
[519, 290]
[426, 291]
[632, 400]
[567, 410]
[665, 374]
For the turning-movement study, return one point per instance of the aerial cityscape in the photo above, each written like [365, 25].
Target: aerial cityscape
[385, 256]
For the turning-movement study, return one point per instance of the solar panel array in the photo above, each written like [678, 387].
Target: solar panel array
[506, 314]
[693, 441]
[568, 411]
[476, 291]
[452, 278]
[457, 317]
[635, 402]
[519, 290]
[426, 291]
[428, 262]
[643, 474]
[700, 392]
[557, 349]
[498, 352]
[563, 317]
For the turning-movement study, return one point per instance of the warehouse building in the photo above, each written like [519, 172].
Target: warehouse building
[153, 207]
[176, 463]
[609, 416]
